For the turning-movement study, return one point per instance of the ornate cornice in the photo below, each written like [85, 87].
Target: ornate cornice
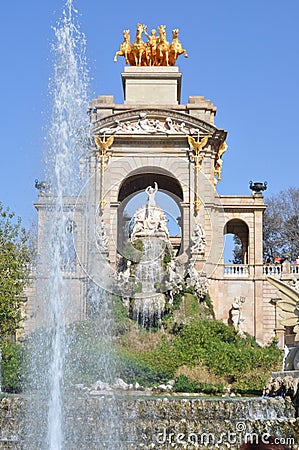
[157, 122]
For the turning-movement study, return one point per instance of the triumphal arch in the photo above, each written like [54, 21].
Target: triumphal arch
[154, 144]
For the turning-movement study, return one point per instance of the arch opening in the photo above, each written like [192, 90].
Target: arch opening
[236, 242]
[132, 196]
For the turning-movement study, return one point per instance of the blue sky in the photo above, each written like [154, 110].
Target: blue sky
[243, 56]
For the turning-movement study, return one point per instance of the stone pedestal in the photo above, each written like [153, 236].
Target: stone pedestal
[152, 85]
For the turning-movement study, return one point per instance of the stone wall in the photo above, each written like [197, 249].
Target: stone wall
[95, 421]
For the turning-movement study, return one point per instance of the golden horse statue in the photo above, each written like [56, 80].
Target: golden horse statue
[125, 49]
[162, 47]
[157, 51]
[176, 48]
[139, 47]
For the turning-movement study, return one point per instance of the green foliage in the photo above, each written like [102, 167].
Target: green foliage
[218, 348]
[183, 384]
[191, 306]
[207, 300]
[167, 257]
[133, 369]
[160, 286]
[133, 252]
[11, 367]
[281, 224]
[237, 250]
[177, 298]
[137, 287]
[15, 256]
[120, 316]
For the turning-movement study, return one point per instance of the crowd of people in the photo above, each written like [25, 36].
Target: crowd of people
[281, 259]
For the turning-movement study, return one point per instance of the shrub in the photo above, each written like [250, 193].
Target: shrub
[11, 367]
[183, 384]
[216, 346]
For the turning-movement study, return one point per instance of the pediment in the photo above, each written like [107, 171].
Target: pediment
[145, 121]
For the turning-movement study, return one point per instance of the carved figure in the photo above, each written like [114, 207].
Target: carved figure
[219, 162]
[236, 313]
[163, 46]
[176, 48]
[268, 387]
[163, 224]
[290, 387]
[169, 125]
[171, 269]
[145, 124]
[138, 224]
[151, 192]
[125, 275]
[286, 387]
[273, 387]
[125, 49]
[151, 47]
[198, 281]
[150, 219]
[199, 241]
[103, 239]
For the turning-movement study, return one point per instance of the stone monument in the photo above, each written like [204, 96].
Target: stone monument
[153, 143]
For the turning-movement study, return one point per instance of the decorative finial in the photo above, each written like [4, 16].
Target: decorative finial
[258, 187]
[42, 186]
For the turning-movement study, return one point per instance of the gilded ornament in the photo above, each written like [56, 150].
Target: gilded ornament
[196, 155]
[103, 155]
[157, 51]
[219, 162]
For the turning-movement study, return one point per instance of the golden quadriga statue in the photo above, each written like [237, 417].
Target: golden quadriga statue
[157, 51]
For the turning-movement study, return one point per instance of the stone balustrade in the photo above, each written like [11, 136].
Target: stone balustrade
[275, 270]
[236, 270]
[272, 270]
[281, 269]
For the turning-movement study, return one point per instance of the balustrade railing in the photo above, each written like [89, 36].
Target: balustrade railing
[236, 270]
[275, 270]
[272, 269]
[278, 269]
[294, 269]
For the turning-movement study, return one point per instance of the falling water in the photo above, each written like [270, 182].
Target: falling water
[69, 91]
[65, 144]
[149, 304]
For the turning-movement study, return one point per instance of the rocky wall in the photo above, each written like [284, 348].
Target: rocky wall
[97, 421]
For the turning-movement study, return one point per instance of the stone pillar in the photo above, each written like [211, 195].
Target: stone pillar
[113, 238]
[152, 85]
[185, 226]
[258, 264]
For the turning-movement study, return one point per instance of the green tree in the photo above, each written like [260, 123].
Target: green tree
[15, 256]
[237, 250]
[281, 224]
